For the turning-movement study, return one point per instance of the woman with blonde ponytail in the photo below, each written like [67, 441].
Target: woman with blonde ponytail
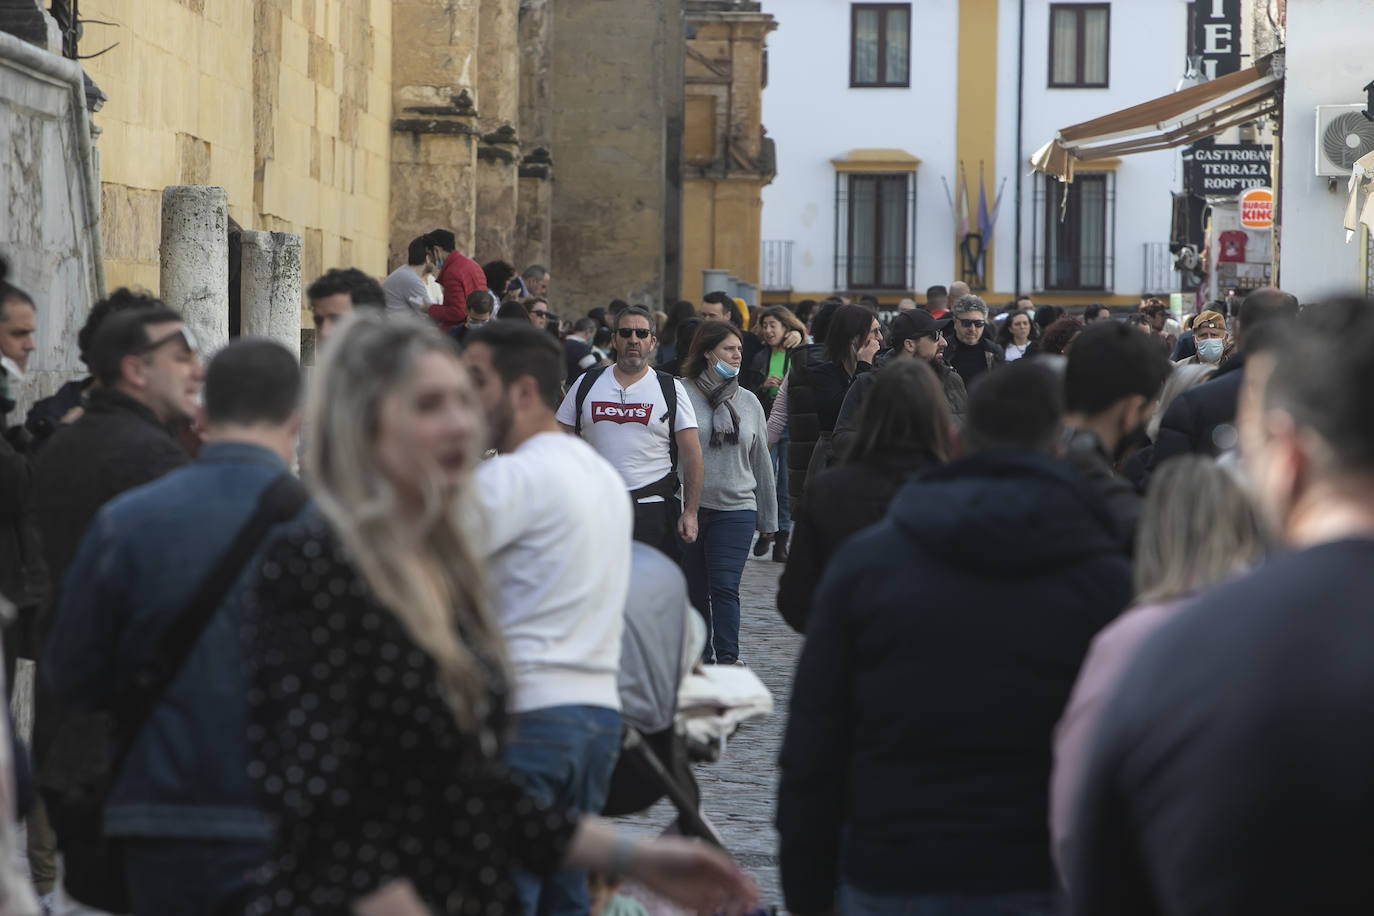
[376, 677]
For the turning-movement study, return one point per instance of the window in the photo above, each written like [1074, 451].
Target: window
[1078, 247]
[880, 45]
[878, 232]
[1079, 45]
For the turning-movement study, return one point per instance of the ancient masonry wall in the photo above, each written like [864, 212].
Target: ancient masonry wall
[284, 103]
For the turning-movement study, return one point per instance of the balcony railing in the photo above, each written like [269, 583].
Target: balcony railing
[775, 272]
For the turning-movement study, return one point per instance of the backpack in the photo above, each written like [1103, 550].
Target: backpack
[665, 382]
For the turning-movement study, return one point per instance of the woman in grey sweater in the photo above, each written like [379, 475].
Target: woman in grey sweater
[738, 495]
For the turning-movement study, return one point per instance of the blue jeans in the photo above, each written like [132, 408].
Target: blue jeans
[714, 564]
[566, 754]
[186, 877]
[779, 455]
[854, 902]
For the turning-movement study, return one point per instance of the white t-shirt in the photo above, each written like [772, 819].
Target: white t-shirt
[629, 426]
[557, 541]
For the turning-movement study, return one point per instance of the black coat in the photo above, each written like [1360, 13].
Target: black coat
[756, 373]
[840, 502]
[803, 424]
[941, 650]
[847, 423]
[1087, 455]
[971, 362]
[24, 576]
[1202, 420]
[118, 444]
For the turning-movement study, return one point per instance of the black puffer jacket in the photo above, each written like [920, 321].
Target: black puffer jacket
[917, 755]
[803, 424]
[118, 444]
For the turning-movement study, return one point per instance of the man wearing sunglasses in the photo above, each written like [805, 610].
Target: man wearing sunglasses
[641, 421]
[971, 353]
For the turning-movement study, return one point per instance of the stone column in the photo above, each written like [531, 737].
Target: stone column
[533, 224]
[498, 176]
[195, 260]
[434, 135]
[270, 287]
[498, 158]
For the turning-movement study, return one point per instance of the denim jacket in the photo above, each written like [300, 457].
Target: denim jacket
[141, 560]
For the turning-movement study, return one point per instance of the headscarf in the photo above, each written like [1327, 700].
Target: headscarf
[718, 393]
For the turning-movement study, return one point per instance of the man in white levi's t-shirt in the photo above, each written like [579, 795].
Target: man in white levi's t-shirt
[623, 414]
[555, 528]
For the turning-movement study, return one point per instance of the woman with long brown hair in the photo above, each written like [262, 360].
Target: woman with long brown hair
[377, 679]
[738, 495]
[781, 332]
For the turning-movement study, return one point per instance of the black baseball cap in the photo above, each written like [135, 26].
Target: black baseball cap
[914, 324]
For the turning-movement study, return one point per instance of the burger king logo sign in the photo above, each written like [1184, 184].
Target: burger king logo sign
[1257, 208]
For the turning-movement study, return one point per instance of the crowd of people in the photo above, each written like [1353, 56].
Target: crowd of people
[1081, 598]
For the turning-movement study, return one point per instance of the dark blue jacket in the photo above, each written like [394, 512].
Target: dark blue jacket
[942, 646]
[141, 560]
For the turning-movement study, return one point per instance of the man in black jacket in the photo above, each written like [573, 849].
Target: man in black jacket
[914, 334]
[915, 768]
[1111, 381]
[149, 376]
[1202, 420]
[971, 353]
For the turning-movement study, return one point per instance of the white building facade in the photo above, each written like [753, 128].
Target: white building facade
[878, 109]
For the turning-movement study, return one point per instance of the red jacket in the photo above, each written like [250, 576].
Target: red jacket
[459, 276]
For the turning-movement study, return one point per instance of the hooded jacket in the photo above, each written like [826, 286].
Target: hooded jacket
[942, 647]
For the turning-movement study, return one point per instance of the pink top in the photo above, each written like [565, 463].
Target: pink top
[1111, 651]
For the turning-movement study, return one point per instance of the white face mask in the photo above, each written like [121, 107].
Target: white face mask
[12, 368]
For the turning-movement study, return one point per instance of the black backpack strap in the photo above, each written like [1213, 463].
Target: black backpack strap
[281, 501]
[584, 387]
[669, 385]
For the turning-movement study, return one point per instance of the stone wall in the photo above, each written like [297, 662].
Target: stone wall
[283, 103]
[50, 231]
[616, 85]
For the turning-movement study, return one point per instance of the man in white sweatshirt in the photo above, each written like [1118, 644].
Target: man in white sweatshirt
[556, 523]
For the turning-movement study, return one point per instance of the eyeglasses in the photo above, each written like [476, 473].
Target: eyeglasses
[972, 323]
[541, 314]
[182, 334]
[626, 333]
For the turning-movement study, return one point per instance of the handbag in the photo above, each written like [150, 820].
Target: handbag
[93, 862]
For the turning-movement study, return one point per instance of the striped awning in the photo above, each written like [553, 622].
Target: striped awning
[1168, 121]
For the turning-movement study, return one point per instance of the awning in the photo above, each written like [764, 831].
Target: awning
[1168, 121]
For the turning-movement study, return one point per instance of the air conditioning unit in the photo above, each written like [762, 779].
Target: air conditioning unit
[1344, 134]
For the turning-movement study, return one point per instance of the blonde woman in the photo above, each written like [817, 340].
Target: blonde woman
[377, 678]
[1197, 530]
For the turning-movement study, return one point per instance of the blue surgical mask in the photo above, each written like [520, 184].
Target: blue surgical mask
[1209, 351]
[725, 370]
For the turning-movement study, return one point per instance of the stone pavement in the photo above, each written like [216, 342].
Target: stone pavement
[739, 791]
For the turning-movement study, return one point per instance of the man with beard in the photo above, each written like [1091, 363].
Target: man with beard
[642, 422]
[914, 335]
[558, 555]
[1111, 384]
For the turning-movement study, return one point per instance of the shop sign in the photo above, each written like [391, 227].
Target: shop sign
[1257, 208]
[1225, 171]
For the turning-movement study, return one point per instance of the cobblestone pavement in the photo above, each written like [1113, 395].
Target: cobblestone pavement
[738, 792]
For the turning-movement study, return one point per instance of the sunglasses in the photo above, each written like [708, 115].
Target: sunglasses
[541, 314]
[972, 322]
[627, 333]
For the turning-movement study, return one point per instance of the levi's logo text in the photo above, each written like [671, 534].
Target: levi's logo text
[612, 412]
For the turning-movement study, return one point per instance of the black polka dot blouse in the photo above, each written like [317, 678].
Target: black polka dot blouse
[358, 759]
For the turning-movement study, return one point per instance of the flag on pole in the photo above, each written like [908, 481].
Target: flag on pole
[984, 220]
[962, 203]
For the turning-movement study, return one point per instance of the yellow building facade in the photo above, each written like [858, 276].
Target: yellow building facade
[727, 159]
[284, 103]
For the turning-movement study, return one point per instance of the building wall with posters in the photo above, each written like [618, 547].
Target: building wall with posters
[979, 96]
[1327, 62]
